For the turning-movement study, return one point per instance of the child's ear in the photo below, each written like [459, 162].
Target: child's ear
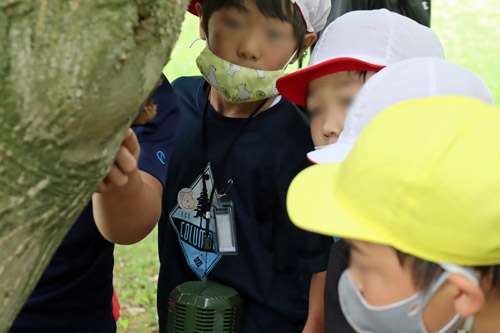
[199, 11]
[309, 40]
[469, 299]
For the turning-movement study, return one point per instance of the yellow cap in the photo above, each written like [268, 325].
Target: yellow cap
[423, 177]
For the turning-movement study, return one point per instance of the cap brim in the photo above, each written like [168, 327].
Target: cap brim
[192, 7]
[336, 152]
[313, 206]
[294, 86]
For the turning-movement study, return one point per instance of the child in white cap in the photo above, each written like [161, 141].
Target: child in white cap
[353, 48]
[429, 77]
[232, 119]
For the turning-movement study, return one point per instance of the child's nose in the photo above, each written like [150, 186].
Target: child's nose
[332, 127]
[249, 48]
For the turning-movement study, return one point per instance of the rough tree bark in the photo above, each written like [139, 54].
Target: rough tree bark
[73, 74]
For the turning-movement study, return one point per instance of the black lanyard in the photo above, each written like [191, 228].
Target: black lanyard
[208, 201]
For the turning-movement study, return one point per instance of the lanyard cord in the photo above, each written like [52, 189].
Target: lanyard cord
[208, 201]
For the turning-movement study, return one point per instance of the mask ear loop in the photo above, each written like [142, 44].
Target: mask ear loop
[468, 323]
[194, 41]
[465, 271]
[471, 275]
[290, 60]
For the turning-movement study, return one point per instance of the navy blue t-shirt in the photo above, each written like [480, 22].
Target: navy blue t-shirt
[273, 269]
[75, 291]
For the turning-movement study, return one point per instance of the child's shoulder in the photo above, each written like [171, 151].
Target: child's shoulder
[284, 122]
[189, 91]
[289, 114]
[187, 82]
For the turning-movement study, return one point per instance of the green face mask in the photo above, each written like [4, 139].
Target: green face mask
[236, 83]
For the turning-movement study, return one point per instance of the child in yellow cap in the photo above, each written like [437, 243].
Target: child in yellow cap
[430, 77]
[417, 201]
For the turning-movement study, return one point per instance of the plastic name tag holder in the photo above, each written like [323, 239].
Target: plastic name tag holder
[225, 227]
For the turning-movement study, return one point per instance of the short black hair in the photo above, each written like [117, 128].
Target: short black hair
[283, 10]
[424, 272]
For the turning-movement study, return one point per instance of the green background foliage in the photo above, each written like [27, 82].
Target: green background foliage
[469, 31]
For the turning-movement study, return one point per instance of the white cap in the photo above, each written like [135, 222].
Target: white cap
[406, 80]
[358, 41]
[314, 12]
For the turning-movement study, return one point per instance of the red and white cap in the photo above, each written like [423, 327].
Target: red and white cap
[364, 40]
[406, 80]
[314, 12]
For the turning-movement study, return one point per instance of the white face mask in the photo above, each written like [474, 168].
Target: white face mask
[403, 316]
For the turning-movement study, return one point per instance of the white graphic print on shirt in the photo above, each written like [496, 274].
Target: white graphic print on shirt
[187, 219]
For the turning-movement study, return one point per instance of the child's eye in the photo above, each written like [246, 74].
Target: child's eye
[314, 111]
[275, 35]
[362, 269]
[233, 24]
[347, 101]
[358, 266]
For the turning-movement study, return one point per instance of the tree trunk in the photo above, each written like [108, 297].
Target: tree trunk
[73, 75]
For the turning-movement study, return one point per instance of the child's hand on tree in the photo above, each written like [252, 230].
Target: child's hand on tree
[125, 164]
[127, 205]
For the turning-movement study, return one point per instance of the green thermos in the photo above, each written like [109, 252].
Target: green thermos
[204, 306]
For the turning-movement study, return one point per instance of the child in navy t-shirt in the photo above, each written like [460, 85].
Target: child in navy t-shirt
[236, 136]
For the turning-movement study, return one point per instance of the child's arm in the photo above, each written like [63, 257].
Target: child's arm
[316, 318]
[127, 205]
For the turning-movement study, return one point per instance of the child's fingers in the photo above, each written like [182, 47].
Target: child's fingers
[102, 188]
[105, 186]
[132, 144]
[116, 177]
[125, 161]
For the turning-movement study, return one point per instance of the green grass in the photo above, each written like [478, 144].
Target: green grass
[470, 32]
[135, 278]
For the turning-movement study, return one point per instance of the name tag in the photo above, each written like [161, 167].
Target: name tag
[225, 228]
